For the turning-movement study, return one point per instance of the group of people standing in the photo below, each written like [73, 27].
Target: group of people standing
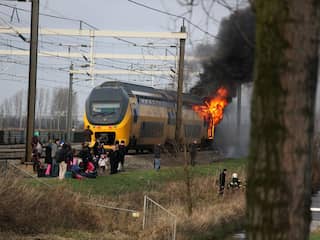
[114, 157]
[60, 158]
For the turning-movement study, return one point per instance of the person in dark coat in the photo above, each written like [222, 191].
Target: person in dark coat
[193, 153]
[95, 148]
[97, 154]
[84, 153]
[87, 134]
[48, 157]
[122, 154]
[157, 157]
[113, 155]
[222, 181]
[62, 160]
[117, 154]
[69, 157]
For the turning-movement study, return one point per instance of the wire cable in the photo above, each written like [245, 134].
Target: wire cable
[52, 16]
[177, 16]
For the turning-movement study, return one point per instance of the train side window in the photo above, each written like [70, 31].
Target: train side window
[135, 115]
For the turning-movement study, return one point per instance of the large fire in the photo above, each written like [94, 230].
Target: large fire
[213, 107]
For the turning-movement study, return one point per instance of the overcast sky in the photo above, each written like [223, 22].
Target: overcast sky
[105, 15]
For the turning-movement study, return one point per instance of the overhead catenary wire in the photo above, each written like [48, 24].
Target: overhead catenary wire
[52, 16]
[39, 65]
[117, 38]
[112, 60]
[82, 45]
[177, 16]
[70, 19]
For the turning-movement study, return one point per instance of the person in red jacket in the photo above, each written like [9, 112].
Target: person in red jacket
[90, 167]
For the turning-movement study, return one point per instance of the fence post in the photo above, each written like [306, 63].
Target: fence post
[144, 211]
[174, 229]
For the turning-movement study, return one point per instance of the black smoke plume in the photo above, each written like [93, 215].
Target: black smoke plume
[231, 58]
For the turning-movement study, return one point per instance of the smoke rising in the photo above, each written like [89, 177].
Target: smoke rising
[231, 58]
[225, 139]
[230, 65]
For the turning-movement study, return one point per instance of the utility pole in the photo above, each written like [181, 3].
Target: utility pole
[32, 77]
[178, 133]
[69, 117]
[180, 88]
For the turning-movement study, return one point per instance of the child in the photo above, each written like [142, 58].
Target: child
[103, 162]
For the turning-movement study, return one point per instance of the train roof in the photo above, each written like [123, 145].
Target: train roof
[150, 92]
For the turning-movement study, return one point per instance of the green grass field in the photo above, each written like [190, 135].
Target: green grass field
[142, 180]
[315, 236]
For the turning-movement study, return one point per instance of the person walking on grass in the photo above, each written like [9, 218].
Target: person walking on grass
[114, 159]
[157, 157]
[122, 154]
[222, 181]
[193, 153]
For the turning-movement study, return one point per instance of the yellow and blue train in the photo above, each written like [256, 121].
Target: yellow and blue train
[140, 116]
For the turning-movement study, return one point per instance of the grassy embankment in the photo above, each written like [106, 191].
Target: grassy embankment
[315, 236]
[126, 190]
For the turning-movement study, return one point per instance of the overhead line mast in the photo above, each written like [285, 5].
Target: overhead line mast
[32, 78]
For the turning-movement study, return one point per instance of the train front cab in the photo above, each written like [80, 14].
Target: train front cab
[108, 125]
[108, 134]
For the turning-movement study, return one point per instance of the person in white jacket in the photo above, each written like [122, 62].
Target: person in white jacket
[103, 163]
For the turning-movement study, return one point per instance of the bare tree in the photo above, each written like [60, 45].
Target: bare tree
[60, 103]
[75, 105]
[13, 108]
[59, 100]
[39, 105]
[282, 116]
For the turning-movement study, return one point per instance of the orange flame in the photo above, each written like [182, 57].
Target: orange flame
[213, 107]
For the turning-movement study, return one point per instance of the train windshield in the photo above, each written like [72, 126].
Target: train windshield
[105, 108]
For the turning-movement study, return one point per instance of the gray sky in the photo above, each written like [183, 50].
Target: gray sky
[104, 15]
